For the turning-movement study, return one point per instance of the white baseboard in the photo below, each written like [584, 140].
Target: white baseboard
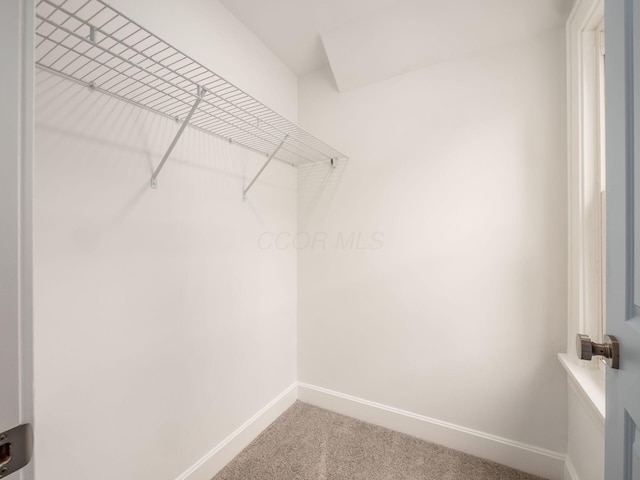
[209, 465]
[534, 460]
[569, 470]
[527, 458]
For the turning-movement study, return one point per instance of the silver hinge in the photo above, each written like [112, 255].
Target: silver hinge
[602, 42]
[16, 446]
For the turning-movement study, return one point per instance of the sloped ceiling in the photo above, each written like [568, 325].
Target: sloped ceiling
[365, 41]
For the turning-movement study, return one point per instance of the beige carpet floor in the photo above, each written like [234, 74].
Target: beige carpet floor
[309, 443]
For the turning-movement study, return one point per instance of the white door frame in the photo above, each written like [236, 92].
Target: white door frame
[583, 149]
[16, 199]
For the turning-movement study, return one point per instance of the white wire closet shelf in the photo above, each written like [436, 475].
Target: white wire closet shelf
[89, 42]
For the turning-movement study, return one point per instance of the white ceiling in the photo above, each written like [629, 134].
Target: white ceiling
[369, 40]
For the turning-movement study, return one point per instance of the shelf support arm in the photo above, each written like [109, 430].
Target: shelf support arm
[200, 95]
[273, 154]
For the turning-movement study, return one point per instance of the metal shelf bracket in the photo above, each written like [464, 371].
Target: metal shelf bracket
[199, 96]
[273, 154]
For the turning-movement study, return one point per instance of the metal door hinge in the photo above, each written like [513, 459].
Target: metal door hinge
[16, 447]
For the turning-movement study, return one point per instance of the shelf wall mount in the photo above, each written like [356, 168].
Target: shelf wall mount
[200, 93]
[273, 154]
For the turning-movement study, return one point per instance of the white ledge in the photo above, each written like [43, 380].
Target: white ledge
[588, 382]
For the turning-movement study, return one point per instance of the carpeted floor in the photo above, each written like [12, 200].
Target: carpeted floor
[309, 443]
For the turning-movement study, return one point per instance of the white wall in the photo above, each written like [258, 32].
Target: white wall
[453, 305]
[160, 325]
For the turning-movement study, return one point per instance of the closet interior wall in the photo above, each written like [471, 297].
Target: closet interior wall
[161, 325]
[440, 288]
[165, 319]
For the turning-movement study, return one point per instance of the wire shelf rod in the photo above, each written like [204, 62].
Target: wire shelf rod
[91, 43]
[132, 48]
[182, 89]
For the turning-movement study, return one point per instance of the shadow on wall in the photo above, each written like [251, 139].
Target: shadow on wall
[317, 186]
[70, 111]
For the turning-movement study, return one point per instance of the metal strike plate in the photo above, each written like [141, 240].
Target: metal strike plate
[609, 349]
[16, 447]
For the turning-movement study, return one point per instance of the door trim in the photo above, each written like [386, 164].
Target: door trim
[583, 166]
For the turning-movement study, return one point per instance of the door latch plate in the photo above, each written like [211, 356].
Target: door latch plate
[16, 447]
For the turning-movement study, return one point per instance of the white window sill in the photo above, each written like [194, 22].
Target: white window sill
[587, 382]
